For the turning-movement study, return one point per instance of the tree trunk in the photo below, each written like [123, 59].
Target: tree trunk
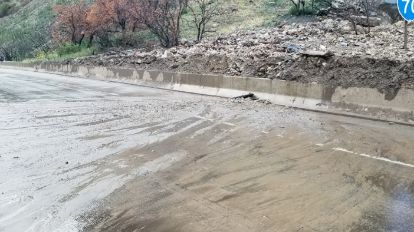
[367, 14]
[405, 35]
[198, 32]
[90, 40]
[296, 5]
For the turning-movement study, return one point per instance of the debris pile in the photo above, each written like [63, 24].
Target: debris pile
[327, 51]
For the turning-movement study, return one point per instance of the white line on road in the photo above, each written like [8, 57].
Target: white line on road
[374, 157]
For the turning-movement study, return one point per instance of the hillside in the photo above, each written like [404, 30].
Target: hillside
[9, 7]
[25, 30]
[25, 33]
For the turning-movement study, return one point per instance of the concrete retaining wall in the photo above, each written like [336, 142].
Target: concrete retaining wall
[359, 102]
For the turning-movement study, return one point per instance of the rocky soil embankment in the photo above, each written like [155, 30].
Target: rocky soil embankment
[338, 57]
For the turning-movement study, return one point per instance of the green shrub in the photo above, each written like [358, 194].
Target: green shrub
[308, 10]
[320, 4]
[63, 52]
[311, 7]
[41, 55]
[68, 48]
[68, 51]
[128, 39]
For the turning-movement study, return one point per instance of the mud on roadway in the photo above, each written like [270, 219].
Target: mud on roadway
[86, 155]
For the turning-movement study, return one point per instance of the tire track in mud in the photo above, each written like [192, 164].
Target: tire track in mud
[267, 182]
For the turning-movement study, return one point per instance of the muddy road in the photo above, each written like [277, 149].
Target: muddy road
[86, 155]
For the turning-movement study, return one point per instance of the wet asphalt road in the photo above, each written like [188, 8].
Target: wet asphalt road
[85, 155]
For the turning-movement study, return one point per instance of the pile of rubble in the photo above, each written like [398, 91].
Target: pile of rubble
[327, 51]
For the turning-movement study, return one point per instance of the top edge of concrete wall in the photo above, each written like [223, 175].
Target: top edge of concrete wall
[357, 102]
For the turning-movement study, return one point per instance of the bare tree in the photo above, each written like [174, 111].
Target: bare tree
[70, 24]
[347, 10]
[359, 12]
[297, 4]
[203, 11]
[163, 18]
[368, 7]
